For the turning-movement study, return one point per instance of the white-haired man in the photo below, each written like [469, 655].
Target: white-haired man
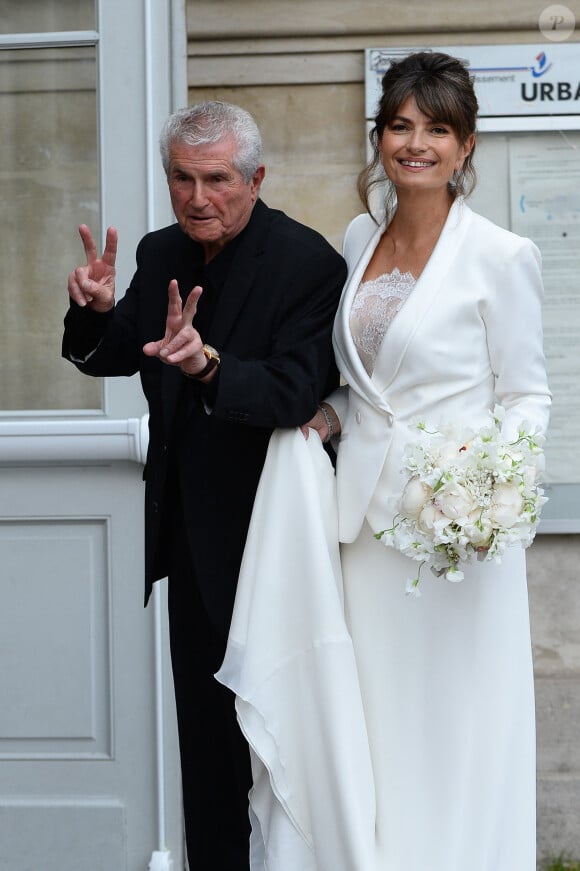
[228, 319]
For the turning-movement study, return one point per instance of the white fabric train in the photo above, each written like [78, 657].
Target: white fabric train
[291, 664]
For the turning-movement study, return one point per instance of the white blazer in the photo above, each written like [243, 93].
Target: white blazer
[469, 335]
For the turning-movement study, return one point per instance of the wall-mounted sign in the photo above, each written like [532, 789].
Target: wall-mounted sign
[523, 82]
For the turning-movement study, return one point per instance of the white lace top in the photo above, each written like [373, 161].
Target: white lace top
[374, 306]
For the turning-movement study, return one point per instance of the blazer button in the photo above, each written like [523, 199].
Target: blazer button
[358, 417]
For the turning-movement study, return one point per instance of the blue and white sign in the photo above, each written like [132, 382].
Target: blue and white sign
[523, 82]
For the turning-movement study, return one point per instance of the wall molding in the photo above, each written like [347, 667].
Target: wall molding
[93, 440]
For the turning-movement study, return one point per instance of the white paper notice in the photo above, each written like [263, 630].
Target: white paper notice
[545, 206]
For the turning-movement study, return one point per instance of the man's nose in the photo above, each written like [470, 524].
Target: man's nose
[198, 196]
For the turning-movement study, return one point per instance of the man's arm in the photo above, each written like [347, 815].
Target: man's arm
[284, 387]
[91, 289]
[93, 316]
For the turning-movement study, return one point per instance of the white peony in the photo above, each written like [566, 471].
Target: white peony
[455, 501]
[431, 518]
[414, 497]
[507, 504]
[478, 528]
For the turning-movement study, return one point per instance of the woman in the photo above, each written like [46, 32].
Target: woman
[440, 319]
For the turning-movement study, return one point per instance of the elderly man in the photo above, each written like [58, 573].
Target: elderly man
[228, 321]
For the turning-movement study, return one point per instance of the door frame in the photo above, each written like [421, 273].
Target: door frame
[141, 48]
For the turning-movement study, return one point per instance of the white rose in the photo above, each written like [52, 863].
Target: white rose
[455, 502]
[507, 504]
[414, 497]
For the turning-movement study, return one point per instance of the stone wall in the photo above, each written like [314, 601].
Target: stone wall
[554, 583]
[298, 66]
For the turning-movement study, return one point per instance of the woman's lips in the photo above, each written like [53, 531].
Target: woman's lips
[416, 164]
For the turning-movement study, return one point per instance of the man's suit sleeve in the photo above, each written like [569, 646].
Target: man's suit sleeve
[104, 344]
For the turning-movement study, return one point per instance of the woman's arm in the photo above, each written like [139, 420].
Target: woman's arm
[513, 321]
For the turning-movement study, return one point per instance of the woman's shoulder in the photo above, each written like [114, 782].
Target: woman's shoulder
[487, 233]
[358, 232]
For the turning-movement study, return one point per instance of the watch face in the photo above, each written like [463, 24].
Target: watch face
[211, 353]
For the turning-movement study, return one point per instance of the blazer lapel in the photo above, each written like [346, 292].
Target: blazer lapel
[429, 285]
[172, 381]
[241, 275]
[347, 357]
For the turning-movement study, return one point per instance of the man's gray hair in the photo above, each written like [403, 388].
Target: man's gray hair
[211, 122]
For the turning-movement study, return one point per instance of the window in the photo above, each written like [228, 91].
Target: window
[49, 173]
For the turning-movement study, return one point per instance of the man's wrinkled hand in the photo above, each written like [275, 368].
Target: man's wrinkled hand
[93, 285]
[181, 345]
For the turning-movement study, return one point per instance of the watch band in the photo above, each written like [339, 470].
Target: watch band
[213, 360]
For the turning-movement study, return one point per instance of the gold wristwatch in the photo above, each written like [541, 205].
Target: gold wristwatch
[213, 359]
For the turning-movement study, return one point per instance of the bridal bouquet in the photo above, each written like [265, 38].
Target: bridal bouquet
[469, 495]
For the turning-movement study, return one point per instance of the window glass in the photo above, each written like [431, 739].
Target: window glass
[43, 16]
[49, 177]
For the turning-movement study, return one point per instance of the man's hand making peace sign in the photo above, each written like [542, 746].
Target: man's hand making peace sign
[181, 345]
[93, 285]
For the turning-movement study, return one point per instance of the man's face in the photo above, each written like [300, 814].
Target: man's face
[210, 199]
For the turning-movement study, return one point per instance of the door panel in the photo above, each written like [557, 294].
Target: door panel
[89, 768]
[77, 738]
[56, 584]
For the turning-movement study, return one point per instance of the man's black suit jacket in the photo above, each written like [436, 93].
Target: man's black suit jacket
[272, 326]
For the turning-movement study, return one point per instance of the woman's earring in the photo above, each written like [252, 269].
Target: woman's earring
[456, 181]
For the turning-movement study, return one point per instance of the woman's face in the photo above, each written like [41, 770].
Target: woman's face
[419, 152]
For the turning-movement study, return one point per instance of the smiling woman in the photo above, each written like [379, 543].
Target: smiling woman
[416, 145]
[420, 157]
[421, 334]
[423, 143]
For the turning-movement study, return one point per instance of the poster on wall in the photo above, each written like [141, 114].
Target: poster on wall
[545, 206]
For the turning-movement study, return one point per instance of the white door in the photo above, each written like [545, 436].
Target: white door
[88, 755]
